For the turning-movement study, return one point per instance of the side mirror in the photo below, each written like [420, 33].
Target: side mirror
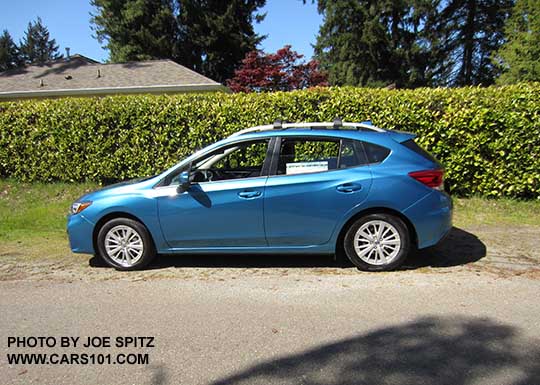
[183, 178]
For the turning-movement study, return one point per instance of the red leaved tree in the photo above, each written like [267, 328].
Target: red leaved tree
[282, 71]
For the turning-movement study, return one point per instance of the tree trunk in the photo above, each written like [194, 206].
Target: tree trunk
[466, 71]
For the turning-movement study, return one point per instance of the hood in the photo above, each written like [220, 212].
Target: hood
[119, 188]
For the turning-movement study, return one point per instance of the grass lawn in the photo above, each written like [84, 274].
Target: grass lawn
[33, 216]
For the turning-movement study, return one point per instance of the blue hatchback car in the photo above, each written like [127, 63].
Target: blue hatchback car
[306, 188]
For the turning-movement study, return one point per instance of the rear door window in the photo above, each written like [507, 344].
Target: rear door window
[307, 155]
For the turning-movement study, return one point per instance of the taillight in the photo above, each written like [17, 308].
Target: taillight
[431, 178]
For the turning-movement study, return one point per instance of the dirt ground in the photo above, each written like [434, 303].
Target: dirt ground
[503, 251]
[463, 313]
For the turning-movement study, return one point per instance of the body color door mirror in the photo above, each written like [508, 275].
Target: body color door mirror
[184, 179]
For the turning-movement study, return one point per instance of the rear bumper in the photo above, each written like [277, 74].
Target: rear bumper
[432, 218]
[80, 231]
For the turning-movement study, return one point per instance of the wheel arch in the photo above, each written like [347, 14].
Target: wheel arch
[114, 215]
[375, 210]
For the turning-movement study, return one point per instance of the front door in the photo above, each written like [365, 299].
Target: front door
[224, 205]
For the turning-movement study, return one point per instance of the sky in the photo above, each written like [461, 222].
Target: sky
[287, 22]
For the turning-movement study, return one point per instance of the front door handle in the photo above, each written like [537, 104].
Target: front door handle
[349, 187]
[249, 194]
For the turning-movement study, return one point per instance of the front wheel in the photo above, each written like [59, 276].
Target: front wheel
[125, 244]
[377, 242]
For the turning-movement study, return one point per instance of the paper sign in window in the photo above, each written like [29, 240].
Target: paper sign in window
[305, 167]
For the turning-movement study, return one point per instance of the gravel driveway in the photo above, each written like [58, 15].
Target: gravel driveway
[466, 312]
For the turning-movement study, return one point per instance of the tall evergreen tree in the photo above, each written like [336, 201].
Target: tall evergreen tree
[465, 34]
[367, 42]
[411, 42]
[136, 30]
[209, 36]
[9, 53]
[216, 35]
[37, 47]
[519, 57]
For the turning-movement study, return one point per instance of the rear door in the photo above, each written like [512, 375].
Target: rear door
[316, 181]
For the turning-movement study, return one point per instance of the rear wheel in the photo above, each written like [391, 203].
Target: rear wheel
[125, 244]
[377, 242]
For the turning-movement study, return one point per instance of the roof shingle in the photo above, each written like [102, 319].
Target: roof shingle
[82, 76]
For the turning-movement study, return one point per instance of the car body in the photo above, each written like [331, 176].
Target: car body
[294, 188]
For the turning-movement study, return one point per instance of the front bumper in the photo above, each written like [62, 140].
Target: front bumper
[80, 232]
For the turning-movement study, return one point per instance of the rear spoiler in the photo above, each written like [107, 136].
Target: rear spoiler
[400, 136]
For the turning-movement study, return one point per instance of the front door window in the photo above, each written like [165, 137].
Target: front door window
[242, 160]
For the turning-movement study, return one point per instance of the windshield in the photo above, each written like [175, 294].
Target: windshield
[184, 164]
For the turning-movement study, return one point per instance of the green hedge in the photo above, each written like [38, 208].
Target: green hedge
[487, 138]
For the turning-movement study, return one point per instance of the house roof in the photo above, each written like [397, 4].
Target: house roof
[79, 75]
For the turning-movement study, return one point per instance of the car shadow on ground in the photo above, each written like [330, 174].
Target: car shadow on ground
[433, 350]
[459, 248]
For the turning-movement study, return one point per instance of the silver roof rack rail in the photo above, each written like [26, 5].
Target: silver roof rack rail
[335, 125]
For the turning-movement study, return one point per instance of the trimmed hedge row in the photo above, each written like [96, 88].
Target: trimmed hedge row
[487, 138]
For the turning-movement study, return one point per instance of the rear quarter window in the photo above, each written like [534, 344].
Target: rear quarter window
[413, 146]
[375, 153]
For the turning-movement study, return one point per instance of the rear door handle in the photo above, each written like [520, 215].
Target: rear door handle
[349, 187]
[249, 194]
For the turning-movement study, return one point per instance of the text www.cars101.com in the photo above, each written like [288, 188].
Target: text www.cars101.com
[77, 359]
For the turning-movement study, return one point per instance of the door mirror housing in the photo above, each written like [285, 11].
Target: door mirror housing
[184, 179]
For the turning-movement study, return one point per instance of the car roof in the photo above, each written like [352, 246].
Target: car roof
[336, 124]
[370, 136]
[353, 134]
[337, 129]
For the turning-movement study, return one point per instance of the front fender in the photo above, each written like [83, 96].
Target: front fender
[142, 207]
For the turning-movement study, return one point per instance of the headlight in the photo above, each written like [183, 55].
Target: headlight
[77, 207]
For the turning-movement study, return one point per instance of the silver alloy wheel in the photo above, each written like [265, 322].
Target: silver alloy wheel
[124, 245]
[377, 242]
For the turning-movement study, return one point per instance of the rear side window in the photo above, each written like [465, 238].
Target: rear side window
[305, 155]
[412, 145]
[375, 153]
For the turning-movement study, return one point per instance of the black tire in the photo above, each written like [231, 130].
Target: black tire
[395, 260]
[148, 248]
